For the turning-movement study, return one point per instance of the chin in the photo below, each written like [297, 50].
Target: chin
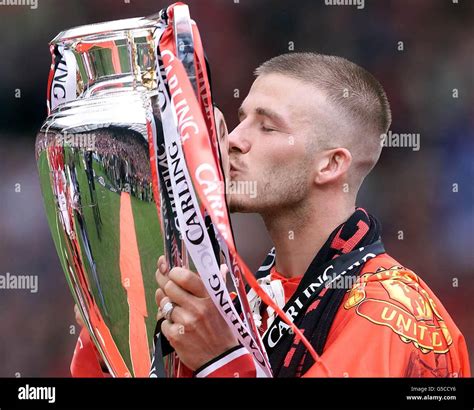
[240, 205]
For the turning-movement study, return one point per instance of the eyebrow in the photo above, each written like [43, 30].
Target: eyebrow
[265, 112]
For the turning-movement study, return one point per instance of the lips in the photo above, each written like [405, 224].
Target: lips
[234, 169]
[235, 166]
[233, 173]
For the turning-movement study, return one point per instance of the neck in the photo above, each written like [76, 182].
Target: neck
[299, 233]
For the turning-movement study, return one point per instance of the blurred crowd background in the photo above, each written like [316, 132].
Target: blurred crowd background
[410, 191]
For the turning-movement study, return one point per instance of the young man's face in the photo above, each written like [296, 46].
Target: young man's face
[270, 145]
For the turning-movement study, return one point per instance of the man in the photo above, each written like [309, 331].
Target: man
[310, 132]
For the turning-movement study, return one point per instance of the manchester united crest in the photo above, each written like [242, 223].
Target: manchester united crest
[408, 309]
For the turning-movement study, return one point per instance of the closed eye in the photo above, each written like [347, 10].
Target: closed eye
[265, 129]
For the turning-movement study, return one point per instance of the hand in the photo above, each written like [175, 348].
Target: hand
[196, 329]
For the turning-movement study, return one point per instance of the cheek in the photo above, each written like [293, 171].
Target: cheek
[283, 153]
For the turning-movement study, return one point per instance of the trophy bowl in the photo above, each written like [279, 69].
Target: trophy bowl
[93, 158]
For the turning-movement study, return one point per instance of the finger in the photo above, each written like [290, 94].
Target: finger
[162, 269]
[164, 301]
[179, 315]
[189, 281]
[159, 294]
[160, 260]
[171, 331]
[166, 326]
[161, 279]
[181, 297]
[162, 264]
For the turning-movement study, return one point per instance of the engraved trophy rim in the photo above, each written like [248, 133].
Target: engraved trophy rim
[107, 68]
[94, 29]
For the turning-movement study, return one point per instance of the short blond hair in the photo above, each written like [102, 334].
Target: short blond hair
[352, 90]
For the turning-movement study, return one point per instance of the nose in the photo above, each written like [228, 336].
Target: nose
[238, 140]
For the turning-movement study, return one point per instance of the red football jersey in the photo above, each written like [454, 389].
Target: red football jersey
[392, 322]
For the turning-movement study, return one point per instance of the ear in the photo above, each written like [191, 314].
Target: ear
[331, 165]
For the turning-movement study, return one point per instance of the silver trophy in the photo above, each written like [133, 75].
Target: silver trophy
[96, 155]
